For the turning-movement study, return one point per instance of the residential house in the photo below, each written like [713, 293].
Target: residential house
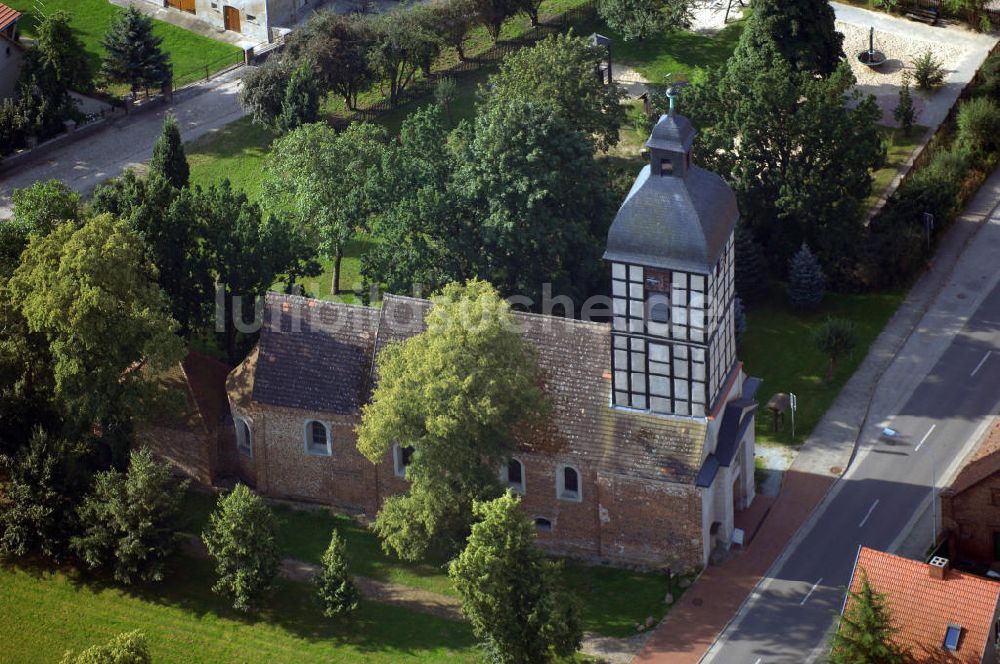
[11, 51]
[259, 20]
[649, 449]
[970, 507]
[942, 616]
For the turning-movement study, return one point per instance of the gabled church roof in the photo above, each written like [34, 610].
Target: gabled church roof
[320, 370]
[673, 222]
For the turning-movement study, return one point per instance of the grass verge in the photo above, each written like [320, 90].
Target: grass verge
[45, 613]
[778, 347]
[614, 599]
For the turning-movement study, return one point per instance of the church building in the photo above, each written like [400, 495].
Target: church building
[649, 448]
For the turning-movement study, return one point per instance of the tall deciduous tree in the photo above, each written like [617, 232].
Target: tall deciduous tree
[240, 536]
[511, 591]
[866, 631]
[132, 52]
[92, 292]
[316, 178]
[60, 50]
[541, 202]
[130, 520]
[560, 70]
[423, 236]
[803, 30]
[456, 394]
[168, 159]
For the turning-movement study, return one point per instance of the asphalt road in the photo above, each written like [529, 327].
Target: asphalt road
[790, 613]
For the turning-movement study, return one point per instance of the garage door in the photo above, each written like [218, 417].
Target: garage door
[183, 5]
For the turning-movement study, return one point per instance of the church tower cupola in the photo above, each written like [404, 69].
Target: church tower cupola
[671, 253]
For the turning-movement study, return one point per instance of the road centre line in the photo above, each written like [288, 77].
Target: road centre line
[924, 439]
[981, 363]
[811, 590]
[870, 510]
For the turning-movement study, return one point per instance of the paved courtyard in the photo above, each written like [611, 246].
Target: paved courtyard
[901, 39]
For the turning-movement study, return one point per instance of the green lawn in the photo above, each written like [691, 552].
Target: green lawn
[190, 53]
[614, 599]
[44, 613]
[778, 347]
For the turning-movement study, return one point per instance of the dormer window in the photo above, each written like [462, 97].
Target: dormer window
[666, 166]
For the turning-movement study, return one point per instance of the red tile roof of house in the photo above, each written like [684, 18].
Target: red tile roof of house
[983, 462]
[923, 607]
[8, 15]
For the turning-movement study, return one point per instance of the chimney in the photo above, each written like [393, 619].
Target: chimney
[938, 567]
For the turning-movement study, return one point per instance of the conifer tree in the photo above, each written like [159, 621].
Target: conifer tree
[750, 270]
[806, 281]
[334, 588]
[168, 155]
[133, 52]
[301, 103]
[904, 112]
[865, 632]
[740, 318]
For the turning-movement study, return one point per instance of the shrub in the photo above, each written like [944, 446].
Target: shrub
[130, 520]
[240, 537]
[928, 70]
[334, 588]
[806, 281]
[263, 91]
[127, 648]
[300, 104]
[904, 112]
[979, 124]
[445, 92]
[835, 338]
[989, 77]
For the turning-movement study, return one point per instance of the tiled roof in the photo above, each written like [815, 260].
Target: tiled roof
[8, 15]
[923, 607]
[574, 358]
[314, 354]
[983, 462]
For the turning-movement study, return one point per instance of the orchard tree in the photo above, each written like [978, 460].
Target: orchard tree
[803, 30]
[132, 52]
[91, 292]
[240, 537]
[639, 19]
[866, 632]
[316, 179]
[168, 159]
[560, 70]
[263, 90]
[540, 201]
[60, 50]
[510, 591]
[452, 20]
[835, 338]
[401, 46]
[337, 48]
[130, 520]
[301, 102]
[334, 588]
[127, 648]
[456, 394]
[491, 14]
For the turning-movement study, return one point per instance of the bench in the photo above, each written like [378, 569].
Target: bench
[928, 16]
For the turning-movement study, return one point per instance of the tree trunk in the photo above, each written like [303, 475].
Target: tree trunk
[338, 257]
[460, 49]
[830, 370]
